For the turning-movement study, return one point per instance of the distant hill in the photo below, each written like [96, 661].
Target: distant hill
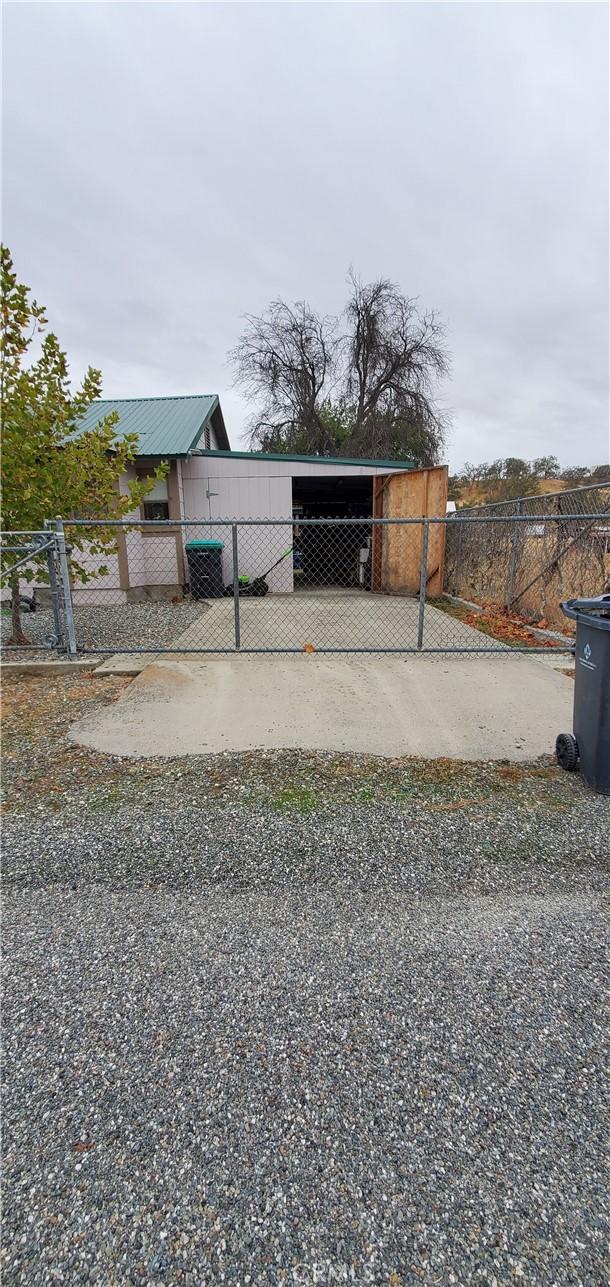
[482, 493]
[510, 479]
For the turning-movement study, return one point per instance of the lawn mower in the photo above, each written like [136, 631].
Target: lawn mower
[257, 588]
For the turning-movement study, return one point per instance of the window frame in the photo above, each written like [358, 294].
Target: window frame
[152, 504]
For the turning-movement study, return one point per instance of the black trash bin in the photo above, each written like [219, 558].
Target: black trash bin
[590, 740]
[205, 569]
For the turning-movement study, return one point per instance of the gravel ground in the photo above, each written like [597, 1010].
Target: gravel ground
[108, 626]
[347, 1029]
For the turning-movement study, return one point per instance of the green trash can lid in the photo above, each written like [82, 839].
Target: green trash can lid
[205, 545]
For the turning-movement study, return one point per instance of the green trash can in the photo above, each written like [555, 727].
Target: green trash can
[205, 569]
[589, 742]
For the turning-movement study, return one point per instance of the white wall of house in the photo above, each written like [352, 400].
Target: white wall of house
[102, 589]
[231, 487]
[210, 488]
[150, 561]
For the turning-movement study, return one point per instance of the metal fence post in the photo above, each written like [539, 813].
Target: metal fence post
[54, 588]
[64, 572]
[236, 586]
[423, 580]
[458, 559]
[510, 588]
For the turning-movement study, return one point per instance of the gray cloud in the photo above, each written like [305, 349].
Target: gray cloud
[169, 167]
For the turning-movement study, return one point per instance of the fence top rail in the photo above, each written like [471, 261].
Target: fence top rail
[21, 532]
[540, 496]
[453, 520]
[33, 549]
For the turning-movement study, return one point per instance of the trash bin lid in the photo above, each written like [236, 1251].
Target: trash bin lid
[595, 612]
[205, 545]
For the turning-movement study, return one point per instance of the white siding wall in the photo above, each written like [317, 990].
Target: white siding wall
[152, 561]
[102, 589]
[242, 493]
[240, 489]
[252, 489]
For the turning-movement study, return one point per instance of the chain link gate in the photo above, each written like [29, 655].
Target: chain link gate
[329, 585]
[291, 585]
[265, 585]
[39, 559]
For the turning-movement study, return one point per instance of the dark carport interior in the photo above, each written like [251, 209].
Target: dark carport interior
[327, 555]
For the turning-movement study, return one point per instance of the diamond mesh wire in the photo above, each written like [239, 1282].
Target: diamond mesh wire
[348, 585]
[531, 567]
[34, 577]
[300, 586]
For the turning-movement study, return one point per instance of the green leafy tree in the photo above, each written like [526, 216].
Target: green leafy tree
[513, 487]
[514, 467]
[49, 467]
[454, 492]
[512, 478]
[338, 420]
[546, 467]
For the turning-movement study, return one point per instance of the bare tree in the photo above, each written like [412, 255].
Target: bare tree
[394, 356]
[284, 360]
[367, 389]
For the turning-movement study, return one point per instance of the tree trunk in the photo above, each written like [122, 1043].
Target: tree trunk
[17, 635]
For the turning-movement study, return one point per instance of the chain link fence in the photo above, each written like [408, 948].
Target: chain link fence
[35, 578]
[276, 585]
[529, 566]
[324, 585]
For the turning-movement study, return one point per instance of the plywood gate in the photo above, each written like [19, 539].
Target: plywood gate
[396, 553]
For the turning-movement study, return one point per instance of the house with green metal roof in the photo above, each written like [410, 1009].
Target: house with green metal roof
[167, 428]
[206, 479]
[208, 482]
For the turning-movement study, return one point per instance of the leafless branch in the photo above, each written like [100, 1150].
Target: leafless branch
[369, 389]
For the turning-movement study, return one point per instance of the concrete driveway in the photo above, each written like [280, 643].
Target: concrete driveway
[503, 705]
[462, 707]
[332, 618]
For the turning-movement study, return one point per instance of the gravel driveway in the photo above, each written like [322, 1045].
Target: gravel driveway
[304, 1039]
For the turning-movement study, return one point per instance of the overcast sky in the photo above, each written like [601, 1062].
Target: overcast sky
[169, 167]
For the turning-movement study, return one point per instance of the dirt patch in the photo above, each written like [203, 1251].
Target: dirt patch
[37, 711]
[496, 622]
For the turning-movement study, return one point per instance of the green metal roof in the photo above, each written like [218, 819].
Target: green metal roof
[310, 460]
[165, 426]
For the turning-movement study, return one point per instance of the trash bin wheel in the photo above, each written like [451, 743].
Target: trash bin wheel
[566, 750]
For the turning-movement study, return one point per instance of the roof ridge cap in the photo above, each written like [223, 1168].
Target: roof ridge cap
[163, 397]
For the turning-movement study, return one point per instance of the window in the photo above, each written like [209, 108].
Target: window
[156, 504]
